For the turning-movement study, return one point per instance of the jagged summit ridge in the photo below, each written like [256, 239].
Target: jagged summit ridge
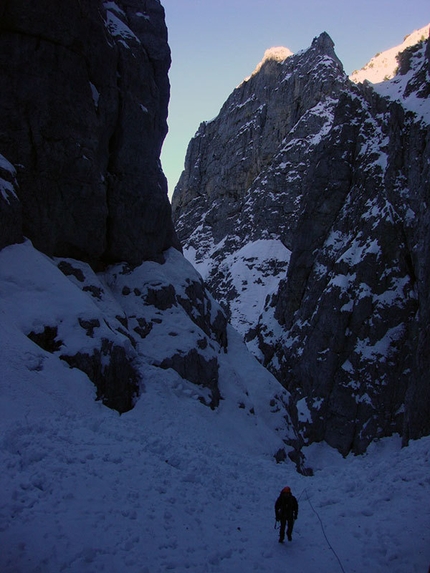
[281, 53]
[315, 190]
[250, 106]
[229, 205]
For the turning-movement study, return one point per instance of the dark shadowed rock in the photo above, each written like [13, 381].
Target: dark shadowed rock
[83, 107]
[198, 370]
[47, 338]
[112, 372]
[109, 367]
[10, 205]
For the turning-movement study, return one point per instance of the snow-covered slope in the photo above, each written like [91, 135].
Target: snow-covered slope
[384, 65]
[411, 86]
[252, 273]
[173, 485]
[402, 74]
[85, 310]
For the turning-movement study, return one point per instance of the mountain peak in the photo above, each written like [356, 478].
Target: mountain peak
[323, 41]
[276, 53]
[324, 45]
[294, 201]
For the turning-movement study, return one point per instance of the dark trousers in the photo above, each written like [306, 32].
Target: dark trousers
[284, 522]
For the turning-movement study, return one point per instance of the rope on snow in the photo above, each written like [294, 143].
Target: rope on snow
[323, 530]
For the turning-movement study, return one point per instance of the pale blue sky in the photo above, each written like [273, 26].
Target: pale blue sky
[215, 44]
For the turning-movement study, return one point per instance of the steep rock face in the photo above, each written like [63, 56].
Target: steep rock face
[222, 206]
[349, 305]
[249, 130]
[338, 176]
[416, 95]
[83, 107]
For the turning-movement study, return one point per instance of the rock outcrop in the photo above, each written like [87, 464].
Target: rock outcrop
[10, 206]
[319, 189]
[132, 331]
[83, 107]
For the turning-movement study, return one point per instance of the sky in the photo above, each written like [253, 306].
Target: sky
[215, 45]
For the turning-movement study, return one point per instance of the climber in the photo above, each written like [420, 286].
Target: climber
[286, 510]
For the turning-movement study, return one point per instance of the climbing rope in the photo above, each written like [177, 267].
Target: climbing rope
[323, 530]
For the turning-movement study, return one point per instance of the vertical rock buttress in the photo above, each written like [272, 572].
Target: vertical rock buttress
[83, 108]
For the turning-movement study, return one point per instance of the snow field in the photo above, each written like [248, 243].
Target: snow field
[173, 485]
[162, 488]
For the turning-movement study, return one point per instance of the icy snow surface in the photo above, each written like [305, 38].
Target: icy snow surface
[173, 485]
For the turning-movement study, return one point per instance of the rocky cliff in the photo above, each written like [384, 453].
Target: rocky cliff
[305, 206]
[93, 286]
[83, 107]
